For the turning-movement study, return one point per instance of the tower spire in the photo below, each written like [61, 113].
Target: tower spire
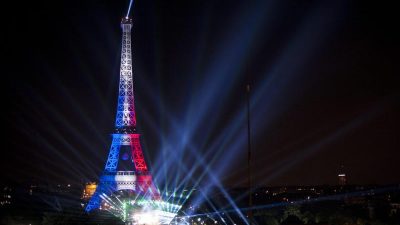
[125, 121]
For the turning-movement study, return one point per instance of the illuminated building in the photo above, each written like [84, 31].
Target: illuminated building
[342, 179]
[342, 176]
[89, 190]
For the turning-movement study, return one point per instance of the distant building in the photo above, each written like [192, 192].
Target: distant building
[342, 179]
[89, 190]
[5, 195]
[394, 208]
[342, 176]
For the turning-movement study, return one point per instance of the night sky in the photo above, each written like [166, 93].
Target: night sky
[324, 89]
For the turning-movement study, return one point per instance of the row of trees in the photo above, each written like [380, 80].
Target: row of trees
[64, 217]
[328, 213]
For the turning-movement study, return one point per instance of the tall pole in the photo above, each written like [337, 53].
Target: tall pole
[249, 212]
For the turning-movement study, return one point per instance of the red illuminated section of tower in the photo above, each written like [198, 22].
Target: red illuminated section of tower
[137, 153]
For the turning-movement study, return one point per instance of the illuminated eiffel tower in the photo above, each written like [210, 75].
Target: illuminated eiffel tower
[126, 187]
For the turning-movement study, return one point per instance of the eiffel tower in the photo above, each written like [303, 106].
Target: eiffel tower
[126, 174]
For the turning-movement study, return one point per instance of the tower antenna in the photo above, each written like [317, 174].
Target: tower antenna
[129, 8]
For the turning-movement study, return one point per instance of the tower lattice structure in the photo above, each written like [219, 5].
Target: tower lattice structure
[126, 168]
